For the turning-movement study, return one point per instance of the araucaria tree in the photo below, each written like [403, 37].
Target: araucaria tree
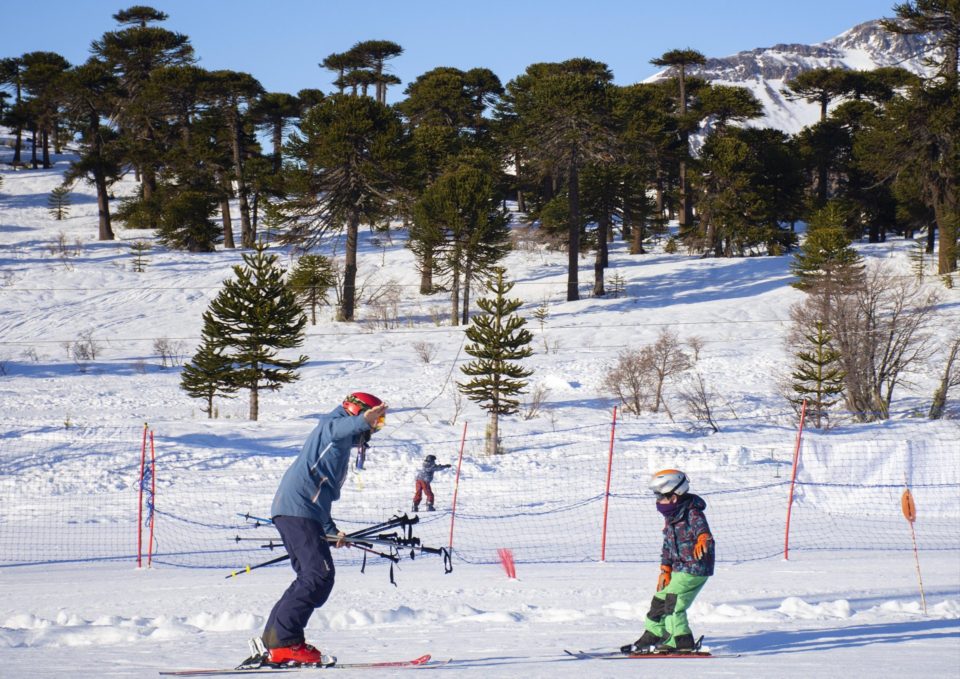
[58, 202]
[564, 116]
[817, 375]
[459, 220]
[254, 317]
[348, 153]
[310, 280]
[826, 261]
[498, 341]
[208, 375]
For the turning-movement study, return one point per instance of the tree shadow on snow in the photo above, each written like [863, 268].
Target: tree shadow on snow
[802, 641]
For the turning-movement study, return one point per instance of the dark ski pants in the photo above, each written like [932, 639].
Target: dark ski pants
[309, 552]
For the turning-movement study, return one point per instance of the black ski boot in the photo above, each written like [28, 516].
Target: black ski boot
[430, 507]
[644, 644]
[416, 507]
[684, 644]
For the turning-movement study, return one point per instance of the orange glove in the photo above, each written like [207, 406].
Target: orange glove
[699, 549]
[664, 578]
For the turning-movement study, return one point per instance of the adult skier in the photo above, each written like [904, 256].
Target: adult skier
[301, 513]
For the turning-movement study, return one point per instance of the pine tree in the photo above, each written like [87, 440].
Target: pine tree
[499, 340]
[818, 376]
[310, 280]
[208, 375]
[58, 202]
[251, 320]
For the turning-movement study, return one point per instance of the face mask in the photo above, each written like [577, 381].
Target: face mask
[668, 510]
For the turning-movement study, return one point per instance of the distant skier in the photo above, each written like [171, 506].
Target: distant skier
[301, 512]
[424, 479]
[685, 564]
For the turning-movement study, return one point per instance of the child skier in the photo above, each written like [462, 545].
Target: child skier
[685, 564]
[424, 478]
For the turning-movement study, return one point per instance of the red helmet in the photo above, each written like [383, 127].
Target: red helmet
[358, 401]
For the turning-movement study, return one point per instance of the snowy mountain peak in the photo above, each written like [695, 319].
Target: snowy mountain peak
[765, 70]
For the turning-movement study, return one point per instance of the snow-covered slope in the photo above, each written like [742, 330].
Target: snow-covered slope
[822, 613]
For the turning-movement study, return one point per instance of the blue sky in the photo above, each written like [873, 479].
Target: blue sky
[281, 42]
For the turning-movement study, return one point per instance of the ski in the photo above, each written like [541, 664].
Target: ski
[617, 655]
[422, 661]
[329, 663]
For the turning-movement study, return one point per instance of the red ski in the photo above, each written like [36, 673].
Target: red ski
[329, 663]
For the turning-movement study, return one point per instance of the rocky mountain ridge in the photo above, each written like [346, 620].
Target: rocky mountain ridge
[765, 70]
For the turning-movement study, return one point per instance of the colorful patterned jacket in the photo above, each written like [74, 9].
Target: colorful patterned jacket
[680, 531]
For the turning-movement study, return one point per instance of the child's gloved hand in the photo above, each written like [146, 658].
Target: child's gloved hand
[703, 542]
[664, 578]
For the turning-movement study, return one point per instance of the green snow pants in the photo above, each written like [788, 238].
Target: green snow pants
[667, 617]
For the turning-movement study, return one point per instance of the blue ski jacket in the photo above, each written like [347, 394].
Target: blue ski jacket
[680, 532]
[312, 483]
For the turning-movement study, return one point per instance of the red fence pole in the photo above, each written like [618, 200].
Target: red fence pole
[153, 499]
[143, 457]
[456, 487]
[606, 500]
[793, 481]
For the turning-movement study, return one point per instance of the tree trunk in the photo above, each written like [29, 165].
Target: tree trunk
[626, 226]
[686, 215]
[601, 261]
[465, 317]
[947, 213]
[57, 137]
[636, 242]
[225, 213]
[521, 202]
[493, 434]
[149, 185]
[350, 269]
[573, 232]
[254, 402]
[455, 296]
[277, 146]
[45, 142]
[17, 145]
[940, 395]
[33, 149]
[426, 274]
[247, 236]
[103, 205]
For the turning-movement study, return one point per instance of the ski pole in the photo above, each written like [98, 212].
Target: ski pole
[394, 522]
[247, 569]
[257, 519]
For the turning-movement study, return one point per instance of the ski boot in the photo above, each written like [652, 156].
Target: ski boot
[684, 644]
[430, 507]
[416, 507]
[644, 644]
[299, 654]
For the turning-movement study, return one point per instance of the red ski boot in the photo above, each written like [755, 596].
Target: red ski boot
[299, 653]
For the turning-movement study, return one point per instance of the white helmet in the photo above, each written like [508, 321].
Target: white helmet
[669, 482]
